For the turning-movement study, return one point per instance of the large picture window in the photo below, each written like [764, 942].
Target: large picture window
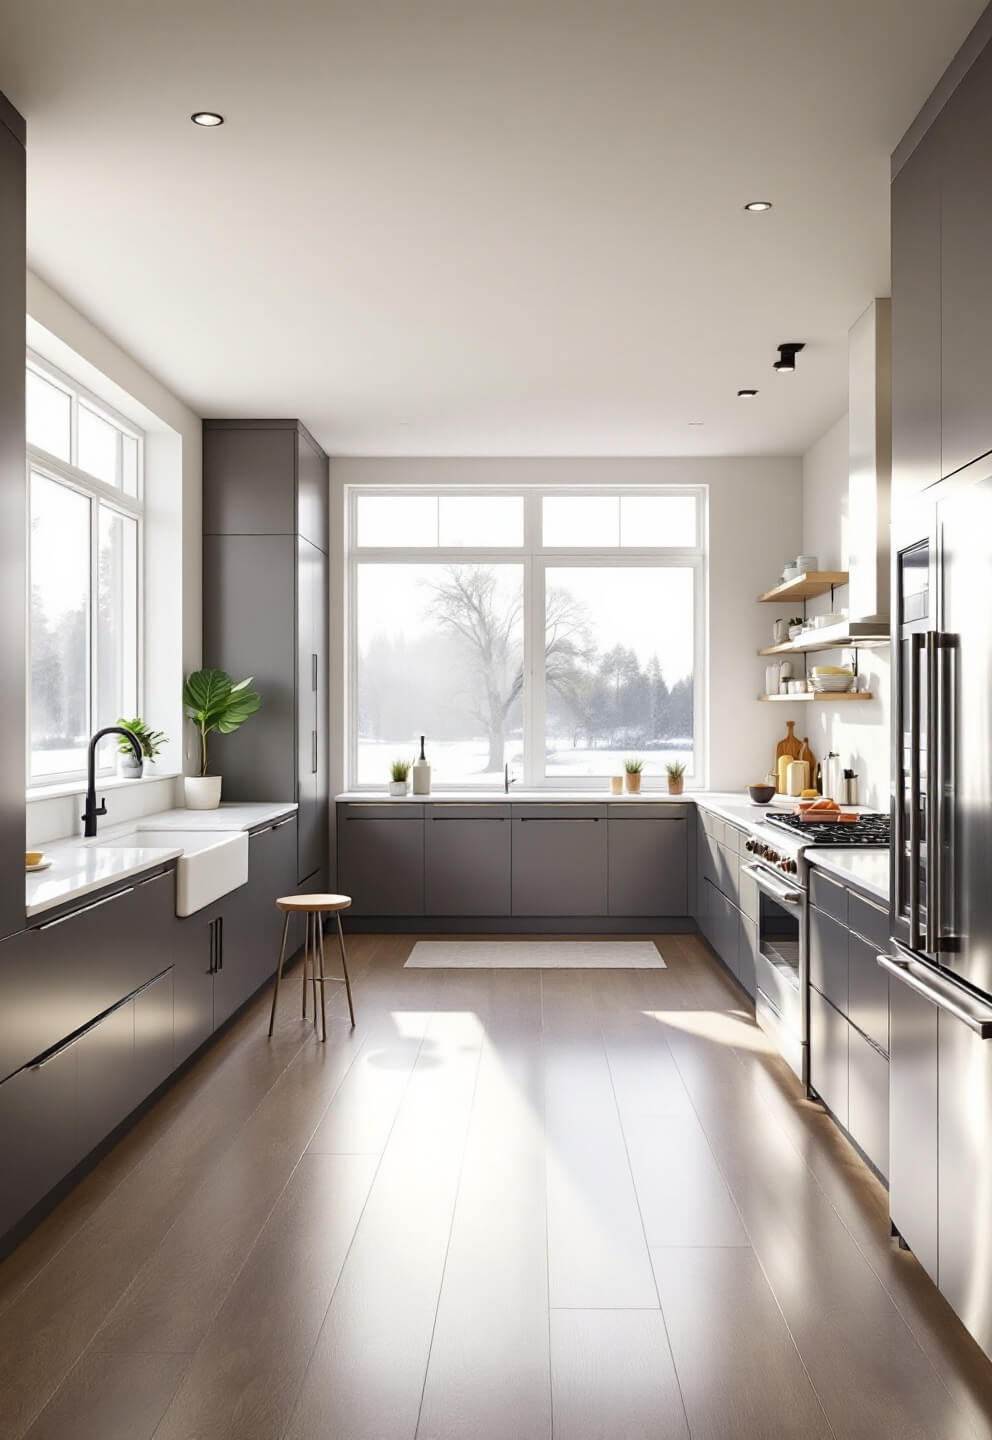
[555, 632]
[84, 475]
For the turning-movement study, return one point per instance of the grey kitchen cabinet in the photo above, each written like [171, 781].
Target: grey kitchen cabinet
[727, 898]
[312, 707]
[154, 1033]
[828, 895]
[828, 1055]
[964, 1091]
[559, 860]
[467, 849]
[648, 860]
[38, 1125]
[913, 1123]
[868, 1097]
[868, 990]
[381, 858]
[60, 974]
[265, 613]
[264, 477]
[193, 985]
[915, 204]
[964, 134]
[12, 514]
[828, 958]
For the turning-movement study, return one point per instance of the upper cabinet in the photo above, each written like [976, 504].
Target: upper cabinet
[941, 295]
[916, 321]
[965, 132]
[12, 515]
[264, 477]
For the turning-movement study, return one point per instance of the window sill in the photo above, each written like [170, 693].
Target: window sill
[78, 787]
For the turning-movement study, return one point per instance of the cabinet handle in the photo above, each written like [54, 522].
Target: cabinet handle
[313, 763]
[281, 824]
[492, 819]
[83, 909]
[152, 878]
[313, 672]
[559, 819]
[220, 942]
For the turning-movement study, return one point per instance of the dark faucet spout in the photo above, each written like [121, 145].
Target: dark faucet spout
[91, 811]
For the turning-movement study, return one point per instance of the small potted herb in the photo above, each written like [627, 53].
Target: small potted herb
[632, 768]
[675, 770]
[796, 626]
[151, 742]
[399, 772]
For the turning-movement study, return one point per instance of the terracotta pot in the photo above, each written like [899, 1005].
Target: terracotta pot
[633, 782]
[675, 787]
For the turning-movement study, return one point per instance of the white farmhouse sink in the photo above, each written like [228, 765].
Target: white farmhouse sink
[213, 862]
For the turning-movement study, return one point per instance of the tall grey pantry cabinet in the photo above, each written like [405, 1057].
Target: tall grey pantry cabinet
[265, 613]
[12, 514]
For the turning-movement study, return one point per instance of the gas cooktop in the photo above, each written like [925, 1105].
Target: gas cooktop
[870, 829]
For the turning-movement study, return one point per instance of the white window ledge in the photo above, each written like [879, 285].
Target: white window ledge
[107, 782]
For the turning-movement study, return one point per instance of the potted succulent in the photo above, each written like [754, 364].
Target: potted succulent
[632, 774]
[213, 702]
[675, 770]
[399, 772]
[151, 742]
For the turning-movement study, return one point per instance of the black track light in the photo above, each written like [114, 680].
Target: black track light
[786, 362]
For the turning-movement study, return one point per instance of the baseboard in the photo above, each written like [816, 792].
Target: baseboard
[519, 925]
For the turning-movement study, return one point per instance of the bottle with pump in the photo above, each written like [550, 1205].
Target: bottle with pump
[421, 772]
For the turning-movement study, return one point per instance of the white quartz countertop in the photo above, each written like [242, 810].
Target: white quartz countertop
[732, 806]
[82, 867]
[866, 870]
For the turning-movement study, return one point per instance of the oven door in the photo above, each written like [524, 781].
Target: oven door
[781, 1001]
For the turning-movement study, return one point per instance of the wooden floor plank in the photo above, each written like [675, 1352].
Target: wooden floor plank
[613, 1376]
[111, 1397]
[738, 1368]
[489, 1370]
[243, 1380]
[683, 1197]
[366, 1377]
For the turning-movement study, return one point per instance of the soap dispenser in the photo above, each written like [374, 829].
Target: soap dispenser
[421, 773]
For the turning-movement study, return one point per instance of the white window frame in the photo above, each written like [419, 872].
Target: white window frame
[97, 492]
[536, 559]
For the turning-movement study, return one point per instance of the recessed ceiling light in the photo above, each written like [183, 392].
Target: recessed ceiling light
[757, 205]
[207, 118]
[787, 352]
[697, 422]
[746, 394]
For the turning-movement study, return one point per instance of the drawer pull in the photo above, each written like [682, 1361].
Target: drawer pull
[84, 909]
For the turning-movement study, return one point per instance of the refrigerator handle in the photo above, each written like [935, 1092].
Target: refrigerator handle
[945, 791]
[942, 992]
[933, 792]
[915, 651]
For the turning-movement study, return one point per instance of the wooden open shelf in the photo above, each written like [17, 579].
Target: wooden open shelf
[808, 695]
[805, 587]
[845, 636]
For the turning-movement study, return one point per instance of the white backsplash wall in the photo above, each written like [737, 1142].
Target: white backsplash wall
[755, 521]
[56, 817]
[859, 733]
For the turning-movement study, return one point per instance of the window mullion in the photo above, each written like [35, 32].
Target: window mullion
[94, 702]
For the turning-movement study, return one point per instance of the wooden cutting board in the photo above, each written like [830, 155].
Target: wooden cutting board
[790, 745]
[807, 755]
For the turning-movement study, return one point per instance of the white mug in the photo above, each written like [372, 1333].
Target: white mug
[780, 632]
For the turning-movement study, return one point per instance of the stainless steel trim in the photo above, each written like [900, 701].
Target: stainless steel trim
[933, 798]
[313, 672]
[152, 878]
[83, 909]
[915, 649]
[558, 819]
[764, 881]
[942, 992]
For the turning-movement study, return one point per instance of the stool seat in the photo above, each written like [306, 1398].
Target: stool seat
[314, 904]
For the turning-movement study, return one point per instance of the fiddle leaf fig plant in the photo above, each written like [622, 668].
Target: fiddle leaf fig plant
[213, 702]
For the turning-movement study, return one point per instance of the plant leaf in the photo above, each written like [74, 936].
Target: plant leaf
[205, 695]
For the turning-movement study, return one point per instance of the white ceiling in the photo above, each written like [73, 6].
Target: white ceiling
[477, 227]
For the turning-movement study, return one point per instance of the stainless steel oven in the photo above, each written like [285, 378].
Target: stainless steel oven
[781, 1002]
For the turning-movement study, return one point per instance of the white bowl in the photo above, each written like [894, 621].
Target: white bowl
[789, 573]
[806, 562]
[832, 684]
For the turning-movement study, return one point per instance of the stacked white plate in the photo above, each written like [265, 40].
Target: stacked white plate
[832, 684]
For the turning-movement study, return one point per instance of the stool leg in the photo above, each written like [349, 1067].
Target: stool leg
[344, 967]
[282, 957]
[306, 956]
[319, 921]
[313, 966]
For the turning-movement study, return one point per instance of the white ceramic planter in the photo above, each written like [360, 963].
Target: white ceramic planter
[202, 791]
[397, 787]
[128, 768]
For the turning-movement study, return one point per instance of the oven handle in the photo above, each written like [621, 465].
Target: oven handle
[764, 882]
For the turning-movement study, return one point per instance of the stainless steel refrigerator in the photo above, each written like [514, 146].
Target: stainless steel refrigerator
[940, 964]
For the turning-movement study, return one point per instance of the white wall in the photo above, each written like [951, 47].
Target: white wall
[173, 619]
[755, 527]
[859, 733]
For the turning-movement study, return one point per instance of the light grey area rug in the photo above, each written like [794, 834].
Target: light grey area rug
[535, 955]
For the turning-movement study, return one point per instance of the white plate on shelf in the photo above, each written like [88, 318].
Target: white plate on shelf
[41, 865]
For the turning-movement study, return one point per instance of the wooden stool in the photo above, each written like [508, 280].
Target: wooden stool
[312, 908]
